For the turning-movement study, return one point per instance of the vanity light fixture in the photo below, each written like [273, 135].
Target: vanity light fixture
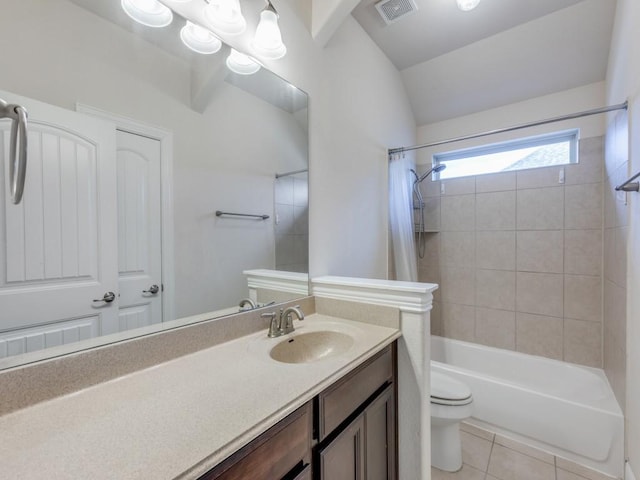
[241, 64]
[466, 5]
[150, 13]
[268, 40]
[225, 16]
[199, 39]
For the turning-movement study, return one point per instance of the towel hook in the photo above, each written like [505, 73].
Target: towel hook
[17, 151]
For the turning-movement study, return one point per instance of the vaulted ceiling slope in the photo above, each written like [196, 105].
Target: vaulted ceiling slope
[456, 63]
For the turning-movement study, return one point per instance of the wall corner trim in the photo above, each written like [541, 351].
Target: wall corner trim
[290, 282]
[413, 297]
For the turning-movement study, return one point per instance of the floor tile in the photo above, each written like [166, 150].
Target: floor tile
[564, 475]
[477, 431]
[507, 464]
[466, 473]
[475, 451]
[526, 449]
[580, 470]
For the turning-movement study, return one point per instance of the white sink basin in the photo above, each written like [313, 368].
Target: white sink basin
[312, 341]
[311, 347]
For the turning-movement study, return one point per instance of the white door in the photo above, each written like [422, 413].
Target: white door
[139, 231]
[58, 248]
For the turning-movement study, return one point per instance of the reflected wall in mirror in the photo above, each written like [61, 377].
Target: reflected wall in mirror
[134, 143]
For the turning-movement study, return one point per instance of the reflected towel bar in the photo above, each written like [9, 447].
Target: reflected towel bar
[630, 185]
[17, 149]
[261, 217]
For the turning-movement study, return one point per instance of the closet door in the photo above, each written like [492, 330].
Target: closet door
[58, 248]
[139, 231]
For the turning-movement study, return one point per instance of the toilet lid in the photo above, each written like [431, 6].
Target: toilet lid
[444, 387]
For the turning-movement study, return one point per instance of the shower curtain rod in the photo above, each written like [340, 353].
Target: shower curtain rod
[621, 106]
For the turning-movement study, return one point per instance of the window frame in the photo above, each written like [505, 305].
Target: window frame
[571, 135]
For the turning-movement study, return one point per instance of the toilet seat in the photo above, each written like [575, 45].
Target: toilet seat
[449, 391]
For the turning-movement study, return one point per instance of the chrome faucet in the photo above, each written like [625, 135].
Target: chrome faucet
[247, 301]
[274, 331]
[282, 324]
[285, 317]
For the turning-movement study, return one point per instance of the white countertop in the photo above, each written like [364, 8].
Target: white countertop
[177, 419]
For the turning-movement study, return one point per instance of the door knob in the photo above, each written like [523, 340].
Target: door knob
[153, 289]
[107, 298]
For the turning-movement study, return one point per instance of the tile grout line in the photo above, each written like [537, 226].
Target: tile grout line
[493, 442]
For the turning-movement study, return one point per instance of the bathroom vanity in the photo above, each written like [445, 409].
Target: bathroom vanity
[229, 411]
[349, 427]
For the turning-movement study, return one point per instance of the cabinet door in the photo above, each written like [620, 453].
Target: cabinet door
[379, 419]
[343, 458]
[305, 474]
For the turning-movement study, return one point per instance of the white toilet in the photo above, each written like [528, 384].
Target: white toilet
[451, 402]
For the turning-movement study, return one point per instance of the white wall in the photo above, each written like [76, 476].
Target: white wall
[623, 82]
[540, 108]
[358, 108]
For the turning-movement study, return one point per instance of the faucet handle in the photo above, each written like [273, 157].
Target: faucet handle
[274, 330]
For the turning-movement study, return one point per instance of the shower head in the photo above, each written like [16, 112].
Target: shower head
[438, 168]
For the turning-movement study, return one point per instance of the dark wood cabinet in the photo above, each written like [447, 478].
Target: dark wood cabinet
[380, 437]
[280, 452]
[304, 474]
[349, 431]
[343, 458]
[357, 425]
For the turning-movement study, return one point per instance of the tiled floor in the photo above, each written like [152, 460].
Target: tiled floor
[489, 456]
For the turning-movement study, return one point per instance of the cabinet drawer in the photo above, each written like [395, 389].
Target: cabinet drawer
[341, 399]
[273, 454]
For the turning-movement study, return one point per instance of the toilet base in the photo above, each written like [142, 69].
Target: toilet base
[446, 448]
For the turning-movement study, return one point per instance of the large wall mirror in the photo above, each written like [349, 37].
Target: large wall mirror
[135, 143]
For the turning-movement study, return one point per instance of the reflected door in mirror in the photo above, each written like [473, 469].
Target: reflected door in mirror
[139, 231]
[58, 247]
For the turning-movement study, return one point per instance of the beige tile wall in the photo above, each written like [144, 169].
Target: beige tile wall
[615, 255]
[518, 257]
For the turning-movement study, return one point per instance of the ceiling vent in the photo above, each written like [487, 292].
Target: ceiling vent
[393, 10]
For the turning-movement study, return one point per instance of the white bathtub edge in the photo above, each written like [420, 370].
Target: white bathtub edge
[628, 473]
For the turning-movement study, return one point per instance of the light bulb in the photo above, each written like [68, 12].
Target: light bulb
[466, 5]
[199, 39]
[241, 64]
[148, 12]
[268, 39]
[226, 17]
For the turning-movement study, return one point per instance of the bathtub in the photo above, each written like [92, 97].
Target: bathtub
[565, 409]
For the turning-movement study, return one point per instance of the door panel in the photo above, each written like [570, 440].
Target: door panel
[58, 248]
[31, 339]
[343, 458]
[380, 437]
[139, 230]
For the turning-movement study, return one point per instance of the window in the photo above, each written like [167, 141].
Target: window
[558, 148]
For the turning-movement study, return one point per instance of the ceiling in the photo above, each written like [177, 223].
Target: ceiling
[456, 63]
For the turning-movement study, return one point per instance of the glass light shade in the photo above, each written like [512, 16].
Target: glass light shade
[148, 12]
[241, 64]
[199, 39]
[466, 5]
[268, 40]
[225, 16]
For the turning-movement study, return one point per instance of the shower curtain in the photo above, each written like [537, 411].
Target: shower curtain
[401, 218]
